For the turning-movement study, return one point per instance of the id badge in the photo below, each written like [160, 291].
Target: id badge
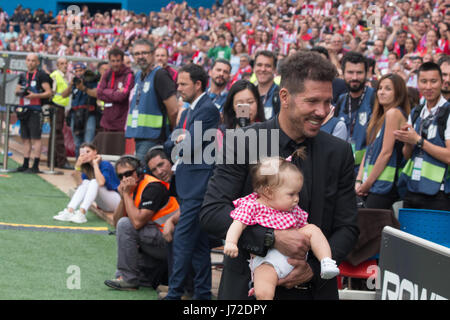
[134, 118]
[417, 168]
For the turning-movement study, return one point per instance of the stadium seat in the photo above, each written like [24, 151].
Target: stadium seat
[364, 270]
[432, 225]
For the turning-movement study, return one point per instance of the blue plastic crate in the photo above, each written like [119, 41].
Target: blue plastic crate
[432, 225]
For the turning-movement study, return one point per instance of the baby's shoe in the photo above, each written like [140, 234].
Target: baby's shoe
[328, 268]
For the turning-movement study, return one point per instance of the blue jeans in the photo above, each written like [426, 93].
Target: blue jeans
[87, 136]
[190, 248]
[142, 147]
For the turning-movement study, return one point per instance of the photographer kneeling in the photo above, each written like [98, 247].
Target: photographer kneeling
[82, 116]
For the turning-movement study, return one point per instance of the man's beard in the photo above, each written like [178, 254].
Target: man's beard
[446, 91]
[353, 88]
[220, 82]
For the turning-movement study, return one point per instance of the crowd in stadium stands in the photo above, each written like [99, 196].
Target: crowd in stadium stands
[391, 60]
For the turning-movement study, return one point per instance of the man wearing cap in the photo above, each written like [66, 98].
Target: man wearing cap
[82, 115]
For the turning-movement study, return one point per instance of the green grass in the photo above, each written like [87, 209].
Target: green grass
[45, 265]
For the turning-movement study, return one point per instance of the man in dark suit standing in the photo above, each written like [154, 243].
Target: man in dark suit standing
[327, 195]
[190, 243]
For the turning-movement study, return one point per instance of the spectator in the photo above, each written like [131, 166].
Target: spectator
[154, 106]
[114, 89]
[139, 219]
[426, 139]
[377, 177]
[264, 69]
[244, 68]
[235, 59]
[222, 50]
[99, 184]
[242, 92]
[83, 112]
[412, 77]
[306, 76]
[379, 56]
[219, 79]
[355, 107]
[34, 86]
[161, 59]
[191, 244]
[339, 86]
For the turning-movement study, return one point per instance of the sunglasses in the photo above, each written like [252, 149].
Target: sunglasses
[127, 174]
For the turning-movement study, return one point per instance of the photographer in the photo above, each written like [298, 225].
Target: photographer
[33, 87]
[83, 113]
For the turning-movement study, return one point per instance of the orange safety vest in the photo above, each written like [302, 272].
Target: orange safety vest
[164, 213]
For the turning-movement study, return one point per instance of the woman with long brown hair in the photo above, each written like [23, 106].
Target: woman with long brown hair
[377, 176]
[99, 184]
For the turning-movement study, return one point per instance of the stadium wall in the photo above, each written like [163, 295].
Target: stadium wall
[137, 6]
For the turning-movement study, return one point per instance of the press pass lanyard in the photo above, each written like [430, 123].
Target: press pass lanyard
[350, 113]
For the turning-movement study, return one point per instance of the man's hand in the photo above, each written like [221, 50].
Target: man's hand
[301, 273]
[407, 134]
[292, 243]
[127, 184]
[169, 228]
[295, 245]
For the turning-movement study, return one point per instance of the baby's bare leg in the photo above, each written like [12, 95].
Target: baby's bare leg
[319, 244]
[265, 280]
[322, 251]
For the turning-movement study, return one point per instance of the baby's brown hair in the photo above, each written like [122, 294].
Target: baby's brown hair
[271, 172]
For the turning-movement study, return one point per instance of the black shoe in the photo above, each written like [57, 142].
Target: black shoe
[32, 170]
[22, 169]
[120, 284]
[66, 166]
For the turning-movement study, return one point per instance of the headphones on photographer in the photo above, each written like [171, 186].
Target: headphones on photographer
[133, 161]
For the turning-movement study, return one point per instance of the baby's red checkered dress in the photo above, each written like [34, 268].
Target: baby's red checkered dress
[251, 212]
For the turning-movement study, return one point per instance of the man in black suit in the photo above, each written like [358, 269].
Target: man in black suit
[190, 243]
[327, 195]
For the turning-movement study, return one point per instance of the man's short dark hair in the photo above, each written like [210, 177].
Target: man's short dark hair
[355, 58]
[101, 63]
[321, 50]
[196, 73]
[429, 66]
[152, 153]
[221, 60]
[444, 59]
[268, 54]
[302, 66]
[115, 52]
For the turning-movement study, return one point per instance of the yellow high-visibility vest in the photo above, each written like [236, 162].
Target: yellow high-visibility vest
[61, 85]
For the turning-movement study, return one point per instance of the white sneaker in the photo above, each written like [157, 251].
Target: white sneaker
[64, 215]
[328, 268]
[78, 217]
